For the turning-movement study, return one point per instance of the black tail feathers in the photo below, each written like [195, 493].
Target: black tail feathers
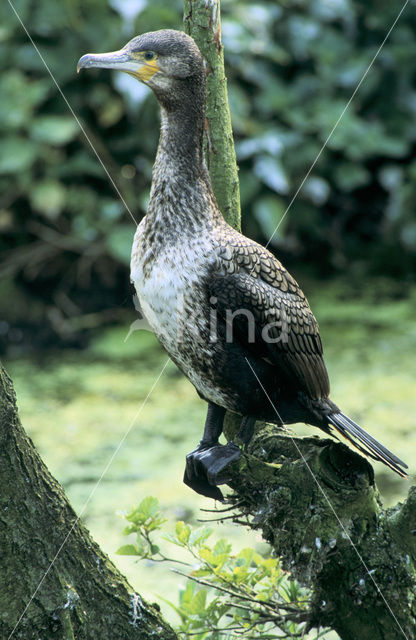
[366, 443]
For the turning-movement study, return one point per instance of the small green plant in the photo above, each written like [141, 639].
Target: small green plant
[227, 595]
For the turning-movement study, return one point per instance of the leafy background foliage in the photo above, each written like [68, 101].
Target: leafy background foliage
[65, 235]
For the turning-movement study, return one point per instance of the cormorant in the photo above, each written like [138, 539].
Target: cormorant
[225, 309]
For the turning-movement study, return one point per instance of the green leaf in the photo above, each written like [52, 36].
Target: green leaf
[14, 112]
[222, 546]
[201, 573]
[183, 532]
[55, 130]
[245, 556]
[149, 506]
[199, 536]
[316, 189]
[350, 175]
[146, 515]
[270, 171]
[269, 212]
[155, 523]
[193, 600]
[197, 604]
[128, 550]
[186, 595]
[48, 197]
[16, 155]
[131, 528]
[206, 554]
[240, 574]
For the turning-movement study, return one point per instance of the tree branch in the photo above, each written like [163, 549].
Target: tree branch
[316, 503]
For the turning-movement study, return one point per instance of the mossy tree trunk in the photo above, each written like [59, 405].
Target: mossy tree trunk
[203, 22]
[315, 502]
[313, 499]
[55, 582]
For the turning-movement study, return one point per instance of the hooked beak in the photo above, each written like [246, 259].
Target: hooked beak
[123, 60]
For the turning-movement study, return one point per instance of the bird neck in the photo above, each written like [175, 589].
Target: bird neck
[180, 151]
[181, 196]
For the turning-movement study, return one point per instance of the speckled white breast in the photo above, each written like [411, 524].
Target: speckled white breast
[169, 296]
[168, 292]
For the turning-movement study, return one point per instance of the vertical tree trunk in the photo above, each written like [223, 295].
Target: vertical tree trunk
[203, 22]
[55, 582]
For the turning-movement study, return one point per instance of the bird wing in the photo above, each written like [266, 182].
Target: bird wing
[250, 282]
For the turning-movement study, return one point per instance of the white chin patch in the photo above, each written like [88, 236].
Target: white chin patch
[160, 80]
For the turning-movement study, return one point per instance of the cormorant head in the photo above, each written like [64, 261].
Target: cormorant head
[161, 59]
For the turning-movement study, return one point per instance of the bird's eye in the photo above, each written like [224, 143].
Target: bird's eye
[149, 55]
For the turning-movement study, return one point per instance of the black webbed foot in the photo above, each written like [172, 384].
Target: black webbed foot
[206, 467]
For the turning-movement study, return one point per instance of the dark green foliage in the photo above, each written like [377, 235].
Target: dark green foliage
[292, 69]
[65, 234]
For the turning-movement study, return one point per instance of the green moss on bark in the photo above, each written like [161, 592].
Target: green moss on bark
[203, 22]
[316, 503]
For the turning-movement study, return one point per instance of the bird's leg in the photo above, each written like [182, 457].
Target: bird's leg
[213, 425]
[206, 464]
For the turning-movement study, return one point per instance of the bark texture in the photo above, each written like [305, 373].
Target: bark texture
[82, 596]
[202, 21]
[315, 502]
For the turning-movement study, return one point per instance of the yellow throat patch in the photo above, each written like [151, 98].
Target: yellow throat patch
[148, 70]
